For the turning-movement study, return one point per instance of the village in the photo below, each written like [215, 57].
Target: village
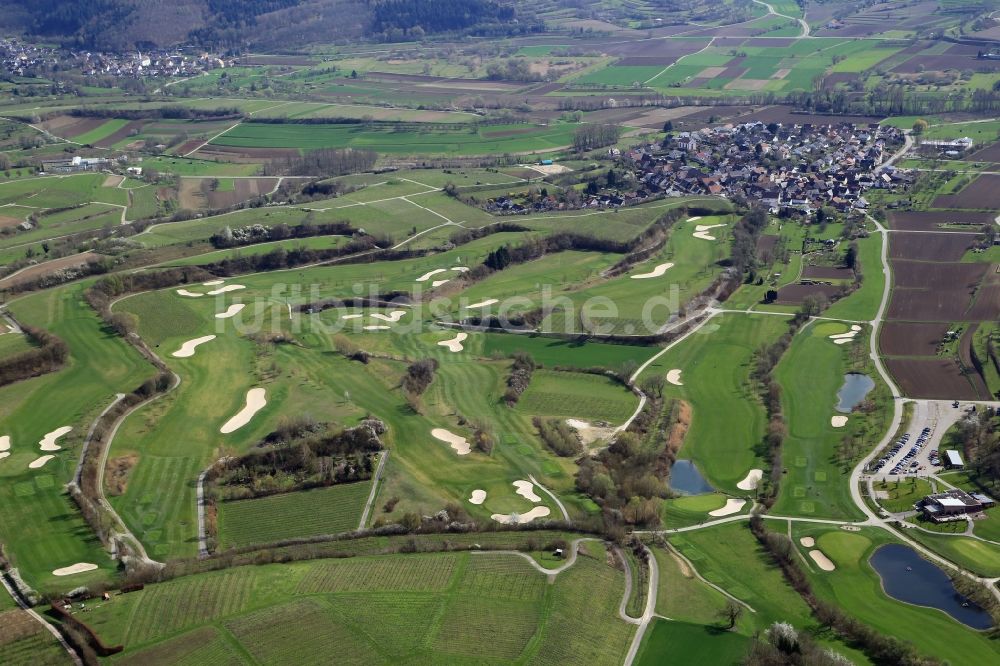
[792, 169]
[22, 59]
[797, 168]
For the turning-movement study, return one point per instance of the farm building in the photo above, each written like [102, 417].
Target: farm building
[74, 164]
[953, 459]
[953, 505]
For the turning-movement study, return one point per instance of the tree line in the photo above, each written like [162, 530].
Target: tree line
[49, 354]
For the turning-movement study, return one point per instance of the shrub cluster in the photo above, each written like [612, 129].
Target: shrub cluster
[519, 378]
[558, 436]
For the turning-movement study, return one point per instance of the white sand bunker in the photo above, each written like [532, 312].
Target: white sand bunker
[674, 377]
[40, 462]
[460, 444]
[429, 274]
[751, 480]
[844, 338]
[189, 294]
[455, 344]
[256, 401]
[701, 231]
[393, 316]
[79, 567]
[821, 560]
[478, 496]
[5, 443]
[187, 349]
[231, 311]
[225, 290]
[438, 283]
[526, 489]
[807, 542]
[732, 506]
[460, 269]
[483, 304]
[838, 421]
[212, 283]
[352, 316]
[4, 454]
[48, 442]
[521, 518]
[655, 273]
[375, 328]
[694, 219]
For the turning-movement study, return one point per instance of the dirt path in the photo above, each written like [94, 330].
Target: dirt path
[374, 491]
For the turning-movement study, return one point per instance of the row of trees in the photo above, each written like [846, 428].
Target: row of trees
[49, 354]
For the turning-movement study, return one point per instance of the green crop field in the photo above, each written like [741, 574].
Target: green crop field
[577, 395]
[292, 515]
[475, 141]
[376, 610]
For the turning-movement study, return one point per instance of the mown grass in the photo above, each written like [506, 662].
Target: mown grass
[292, 515]
[375, 610]
[727, 423]
[810, 373]
[686, 643]
[977, 556]
[855, 587]
[39, 525]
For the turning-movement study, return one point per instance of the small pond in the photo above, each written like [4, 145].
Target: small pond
[856, 387]
[685, 478]
[908, 577]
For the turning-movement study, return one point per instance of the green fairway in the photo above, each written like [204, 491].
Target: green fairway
[810, 374]
[980, 557]
[728, 421]
[292, 515]
[377, 610]
[565, 353]
[641, 306]
[487, 139]
[40, 526]
[855, 587]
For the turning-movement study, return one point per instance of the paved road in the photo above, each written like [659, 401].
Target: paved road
[374, 491]
[649, 612]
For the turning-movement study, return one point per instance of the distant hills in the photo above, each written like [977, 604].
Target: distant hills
[288, 25]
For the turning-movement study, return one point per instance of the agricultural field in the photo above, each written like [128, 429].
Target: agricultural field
[478, 140]
[384, 609]
[292, 515]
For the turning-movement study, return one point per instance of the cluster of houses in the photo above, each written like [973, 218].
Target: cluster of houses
[19, 58]
[787, 167]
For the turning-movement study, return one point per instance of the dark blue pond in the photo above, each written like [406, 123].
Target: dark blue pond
[685, 478]
[908, 577]
[856, 387]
